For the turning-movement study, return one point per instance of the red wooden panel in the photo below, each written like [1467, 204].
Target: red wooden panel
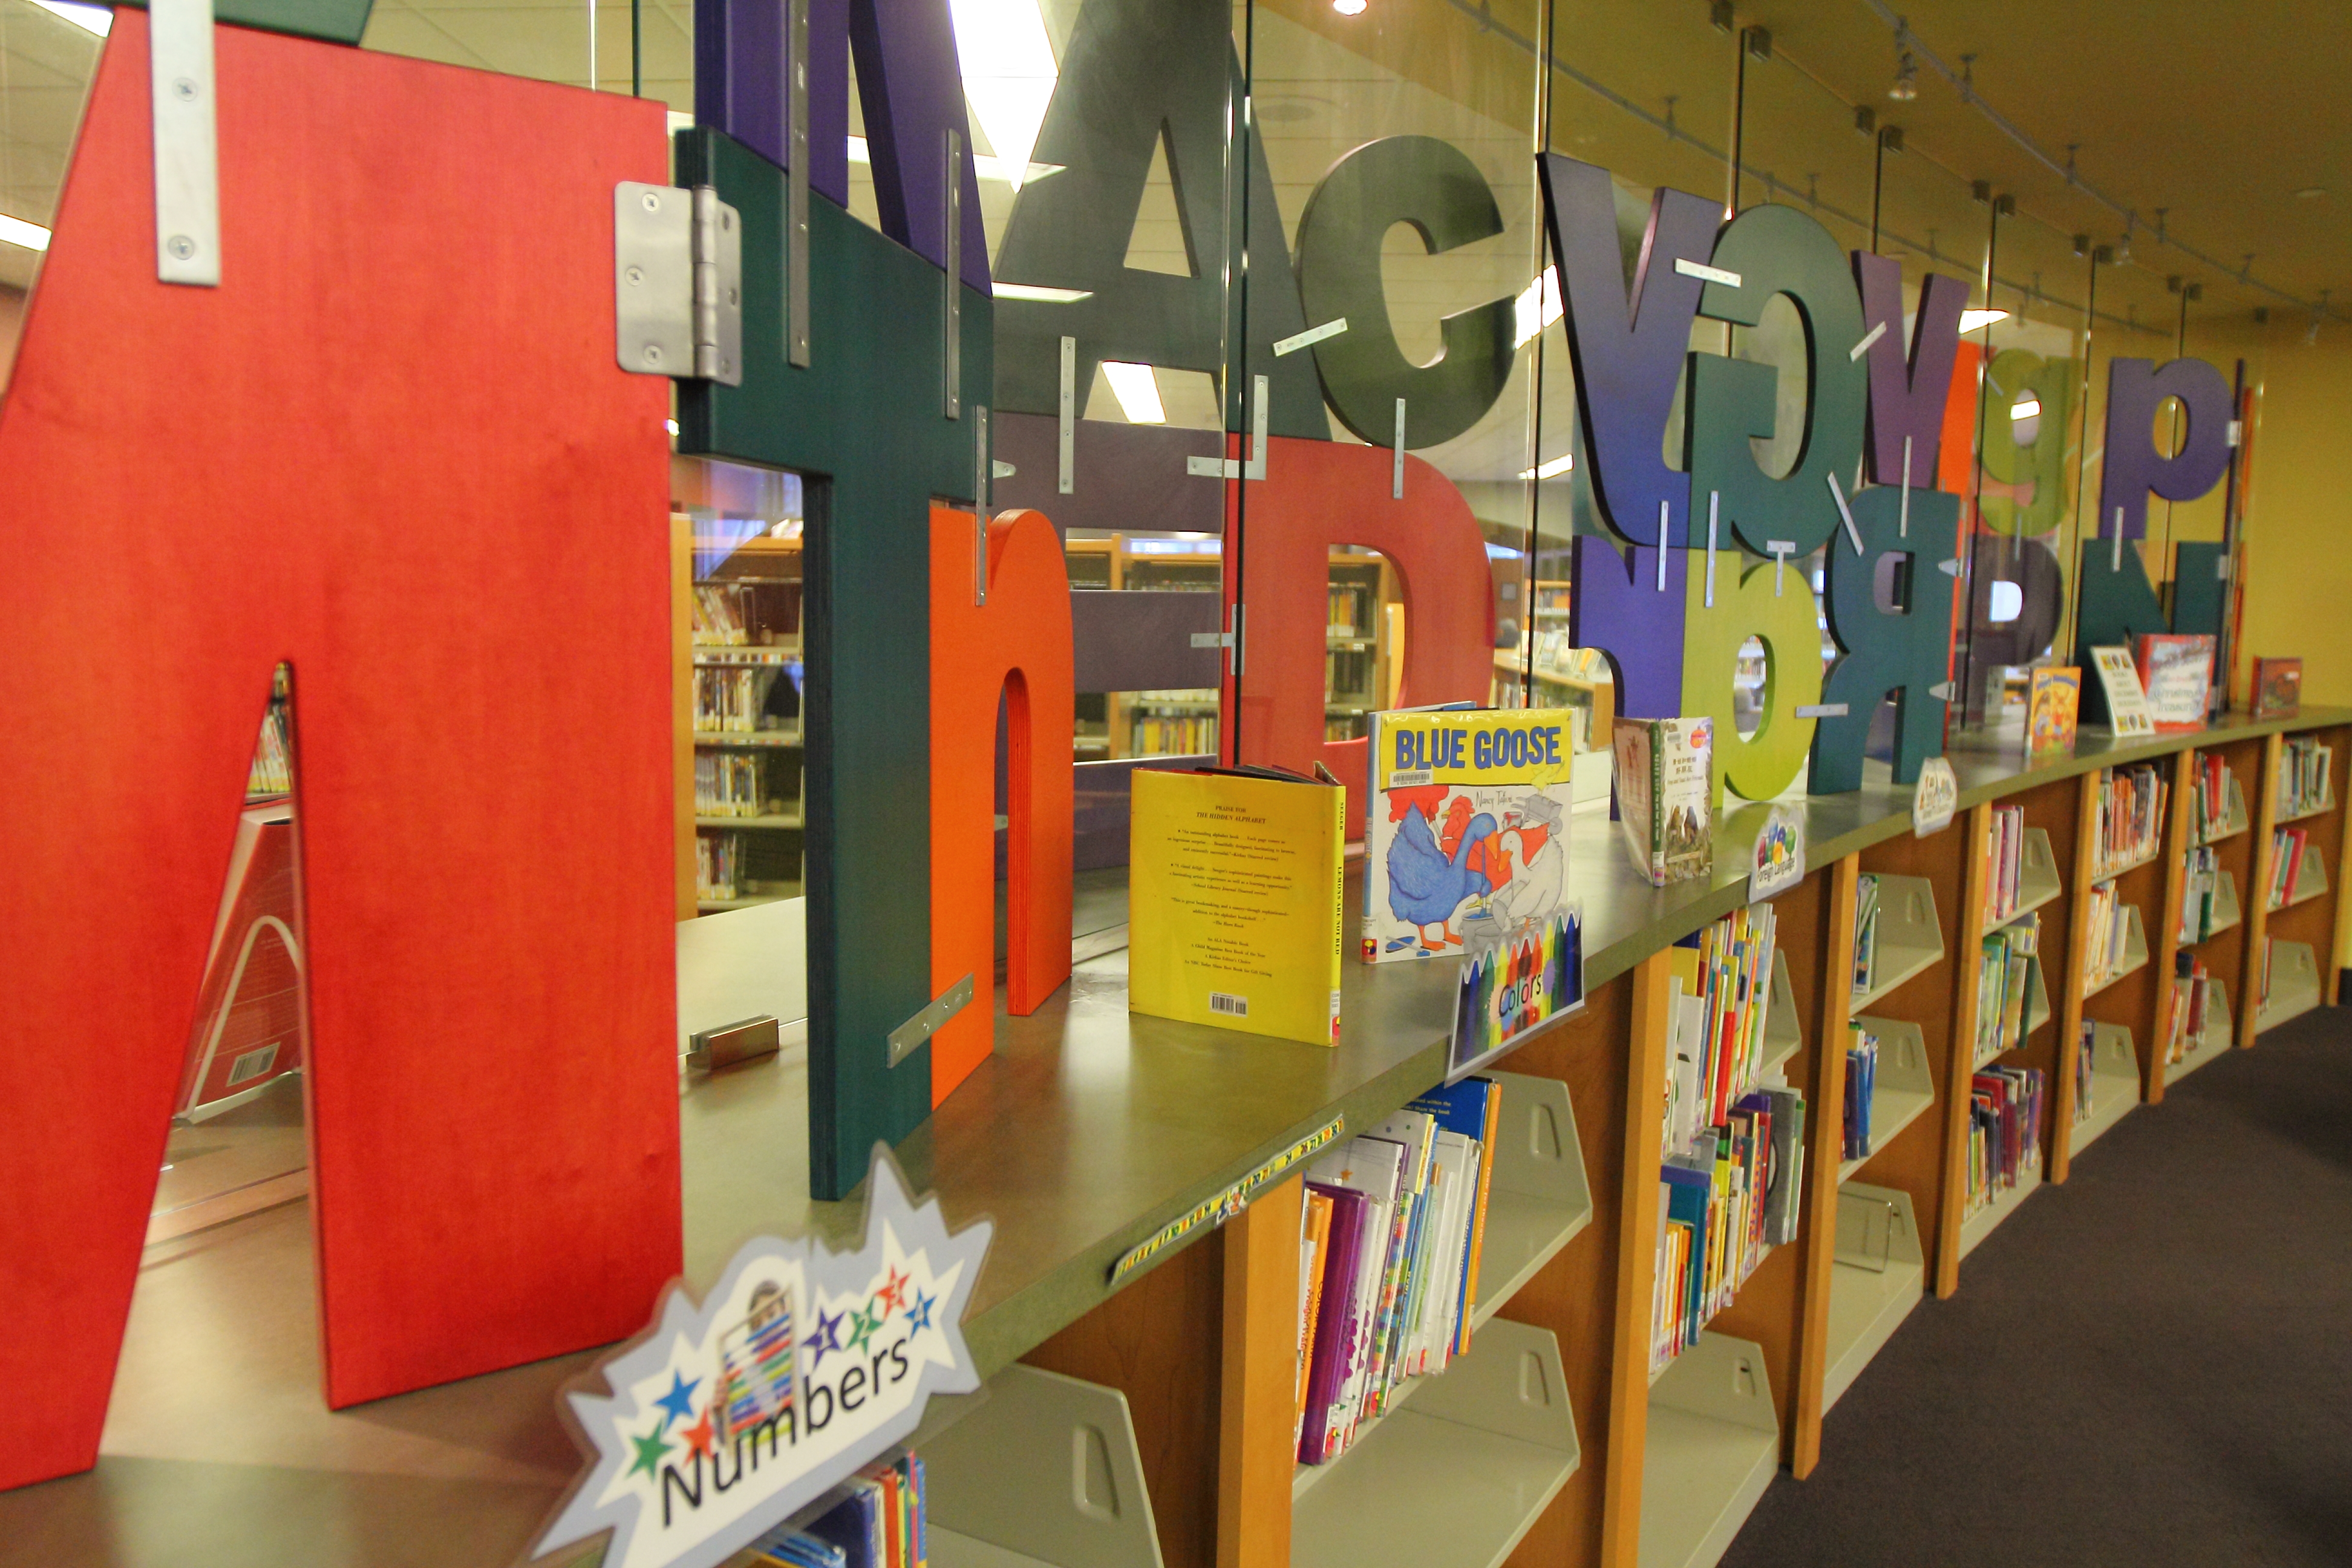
[1318, 494]
[393, 449]
[1017, 648]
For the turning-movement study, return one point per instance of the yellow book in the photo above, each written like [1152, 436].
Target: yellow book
[1236, 902]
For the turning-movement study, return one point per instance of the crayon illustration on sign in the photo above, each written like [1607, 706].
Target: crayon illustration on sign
[1778, 861]
[1513, 981]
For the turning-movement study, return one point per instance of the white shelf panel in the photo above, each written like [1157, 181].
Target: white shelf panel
[1043, 1471]
[2294, 984]
[1879, 1277]
[1456, 1479]
[1982, 1223]
[2310, 883]
[2227, 913]
[2134, 953]
[2218, 1035]
[2037, 879]
[1903, 1090]
[1910, 942]
[2236, 820]
[2115, 1084]
[1714, 1446]
[2322, 809]
[1537, 1197]
[1784, 1035]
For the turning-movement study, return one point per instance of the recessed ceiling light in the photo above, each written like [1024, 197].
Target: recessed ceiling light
[1550, 470]
[1138, 390]
[1349, 7]
[2026, 408]
[16, 231]
[2310, 192]
[1973, 320]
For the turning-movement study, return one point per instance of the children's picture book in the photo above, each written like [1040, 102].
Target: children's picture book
[2126, 703]
[2177, 672]
[1467, 825]
[1515, 978]
[1665, 796]
[2278, 687]
[2052, 702]
[1236, 906]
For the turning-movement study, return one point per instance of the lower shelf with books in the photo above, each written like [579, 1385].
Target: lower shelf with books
[1453, 1477]
[1878, 1276]
[1714, 1445]
[2113, 1084]
[1784, 1037]
[1536, 1199]
[1901, 1089]
[2293, 984]
[1043, 1472]
[2003, 1204]
[2124, 947]
[1896, 937]
[2219, 1035]
[2227, 913]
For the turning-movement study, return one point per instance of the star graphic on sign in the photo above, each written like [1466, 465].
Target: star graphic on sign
[862, 1327]
[698, 1437]
[893, 1294]
[827, 1338]
[679, 1400]
[919, 1314]
[651, 1450]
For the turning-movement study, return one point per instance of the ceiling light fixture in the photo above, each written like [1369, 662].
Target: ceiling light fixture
[1537, 307]
[1971, 321]
[1138, 390]
[97, 19]
[1907, 79]
[2311, 193]
[1039, 293]
[30, 235]
[2029, 409]
[1349, 7]
[1008, 76]
[1550, 470]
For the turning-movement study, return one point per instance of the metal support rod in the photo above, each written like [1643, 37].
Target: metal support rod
[796, 192]
[952, 248]
[1068, 414]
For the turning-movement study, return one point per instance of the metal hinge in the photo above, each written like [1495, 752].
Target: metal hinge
[677, 283]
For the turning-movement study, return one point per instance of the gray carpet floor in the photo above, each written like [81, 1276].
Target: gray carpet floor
[2151, 1364]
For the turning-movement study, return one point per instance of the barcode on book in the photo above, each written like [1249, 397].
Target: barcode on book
[252, 1064]
[1226, 1003]
[1409, 778]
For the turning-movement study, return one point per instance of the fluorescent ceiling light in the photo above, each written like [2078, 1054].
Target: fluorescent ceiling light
[1973, 320]
[1138, 392]
[95, 20]
[1041, 293]
[1349, 7]
[1008, 75]
[986, 167]
[1550, 470]
[2029, 409]
[31, 235]
[1538, 307]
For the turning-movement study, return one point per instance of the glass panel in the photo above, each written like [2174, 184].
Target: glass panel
[49, 55]
[745, 537]
[237, 1142]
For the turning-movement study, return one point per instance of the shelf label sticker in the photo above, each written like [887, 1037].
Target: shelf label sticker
[1934, 799]
[1778, 861]
[802, 1367]
[1222, 1205]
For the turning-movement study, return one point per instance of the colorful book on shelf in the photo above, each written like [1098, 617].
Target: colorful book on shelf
[2278, 687]
[1472, 1107]
[1665, 796]
[1313, 1250]
[2125, 700]
[2176, 673]
[1335, 1326]
[1236, 900]
[2053, 705]
[1377, 1170]
[1467, 827]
